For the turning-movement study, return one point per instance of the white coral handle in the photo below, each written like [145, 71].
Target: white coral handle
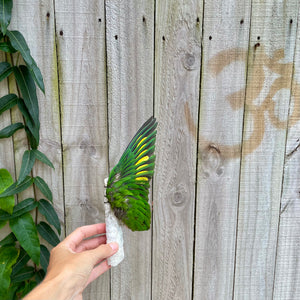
[114, 233]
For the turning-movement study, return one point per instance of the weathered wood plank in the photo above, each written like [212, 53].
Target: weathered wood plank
[177, 74]
[80, 31]
[272, 44]
[225, 45]
[287, 276]
[130, 38]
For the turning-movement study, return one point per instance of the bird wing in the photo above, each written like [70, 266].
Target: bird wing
[128, 183]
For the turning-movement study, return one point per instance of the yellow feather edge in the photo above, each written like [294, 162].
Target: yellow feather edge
[145, 158]
[141, 154]
[142, 166]
[142, 178]
[141, 141]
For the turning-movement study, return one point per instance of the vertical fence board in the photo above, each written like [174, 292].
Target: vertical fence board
[129, 35]
[225, 45]
[287, 276]
[177, 73]
[80, 32]
[42, 38]
[270, 60]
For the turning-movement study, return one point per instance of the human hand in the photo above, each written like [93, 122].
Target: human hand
[74, 263]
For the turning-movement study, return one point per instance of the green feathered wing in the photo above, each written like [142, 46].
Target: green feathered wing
[128, 183]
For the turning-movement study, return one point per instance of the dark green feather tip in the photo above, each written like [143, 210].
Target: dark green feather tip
[128, 183]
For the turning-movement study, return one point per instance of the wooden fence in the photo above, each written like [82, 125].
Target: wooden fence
[223, 80]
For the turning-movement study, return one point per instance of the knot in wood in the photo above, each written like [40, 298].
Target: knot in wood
[179, 195]
[83, 202]
[86, 146]
[189, 61]
[212, 162]
[178, 199]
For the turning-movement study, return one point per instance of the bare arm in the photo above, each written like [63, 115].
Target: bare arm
[74, 263]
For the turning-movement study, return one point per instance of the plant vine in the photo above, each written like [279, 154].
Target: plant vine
[23, 259]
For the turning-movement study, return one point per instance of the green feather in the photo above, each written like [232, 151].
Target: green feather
[128, 183]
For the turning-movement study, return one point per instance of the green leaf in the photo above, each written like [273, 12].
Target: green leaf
[7, 202]
[5, 69]
[4, 216]
[7, 47]
[5, 14]
[2, 223]
[46, 209]
[32, 140]
[8, 256]
[24, 274]
[5, 180]
[25, 288]
[16, 188]
[25, 231]
[40, 275]
[43, 158]
[8, 240]
[31, 129]
[22, 260]
[7, 102]
[10, 293]
[10, 130]
[18, 42]
[48, 234]
[27, 164]
[28, 91]
[21, 208]
[45, 255]
[43, 187]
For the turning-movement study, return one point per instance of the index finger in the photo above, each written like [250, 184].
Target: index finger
[81, 233]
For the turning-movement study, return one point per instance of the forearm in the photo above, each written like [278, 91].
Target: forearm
[55, 288]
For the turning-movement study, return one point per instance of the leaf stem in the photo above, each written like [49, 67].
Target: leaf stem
[19, 93]
[18, 58]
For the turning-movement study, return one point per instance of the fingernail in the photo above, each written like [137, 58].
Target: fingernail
[114, 246]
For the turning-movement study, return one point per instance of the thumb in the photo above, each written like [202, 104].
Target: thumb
[103, 251]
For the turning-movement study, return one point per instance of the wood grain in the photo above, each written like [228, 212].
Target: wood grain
[225, 44]
[287, 276]
[129, 35]
[82, 84]
[269, 69]
[177, 74]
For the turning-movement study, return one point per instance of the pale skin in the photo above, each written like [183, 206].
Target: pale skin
[74, 263]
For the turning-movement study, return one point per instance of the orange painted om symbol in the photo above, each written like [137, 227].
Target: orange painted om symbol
[255, 84]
